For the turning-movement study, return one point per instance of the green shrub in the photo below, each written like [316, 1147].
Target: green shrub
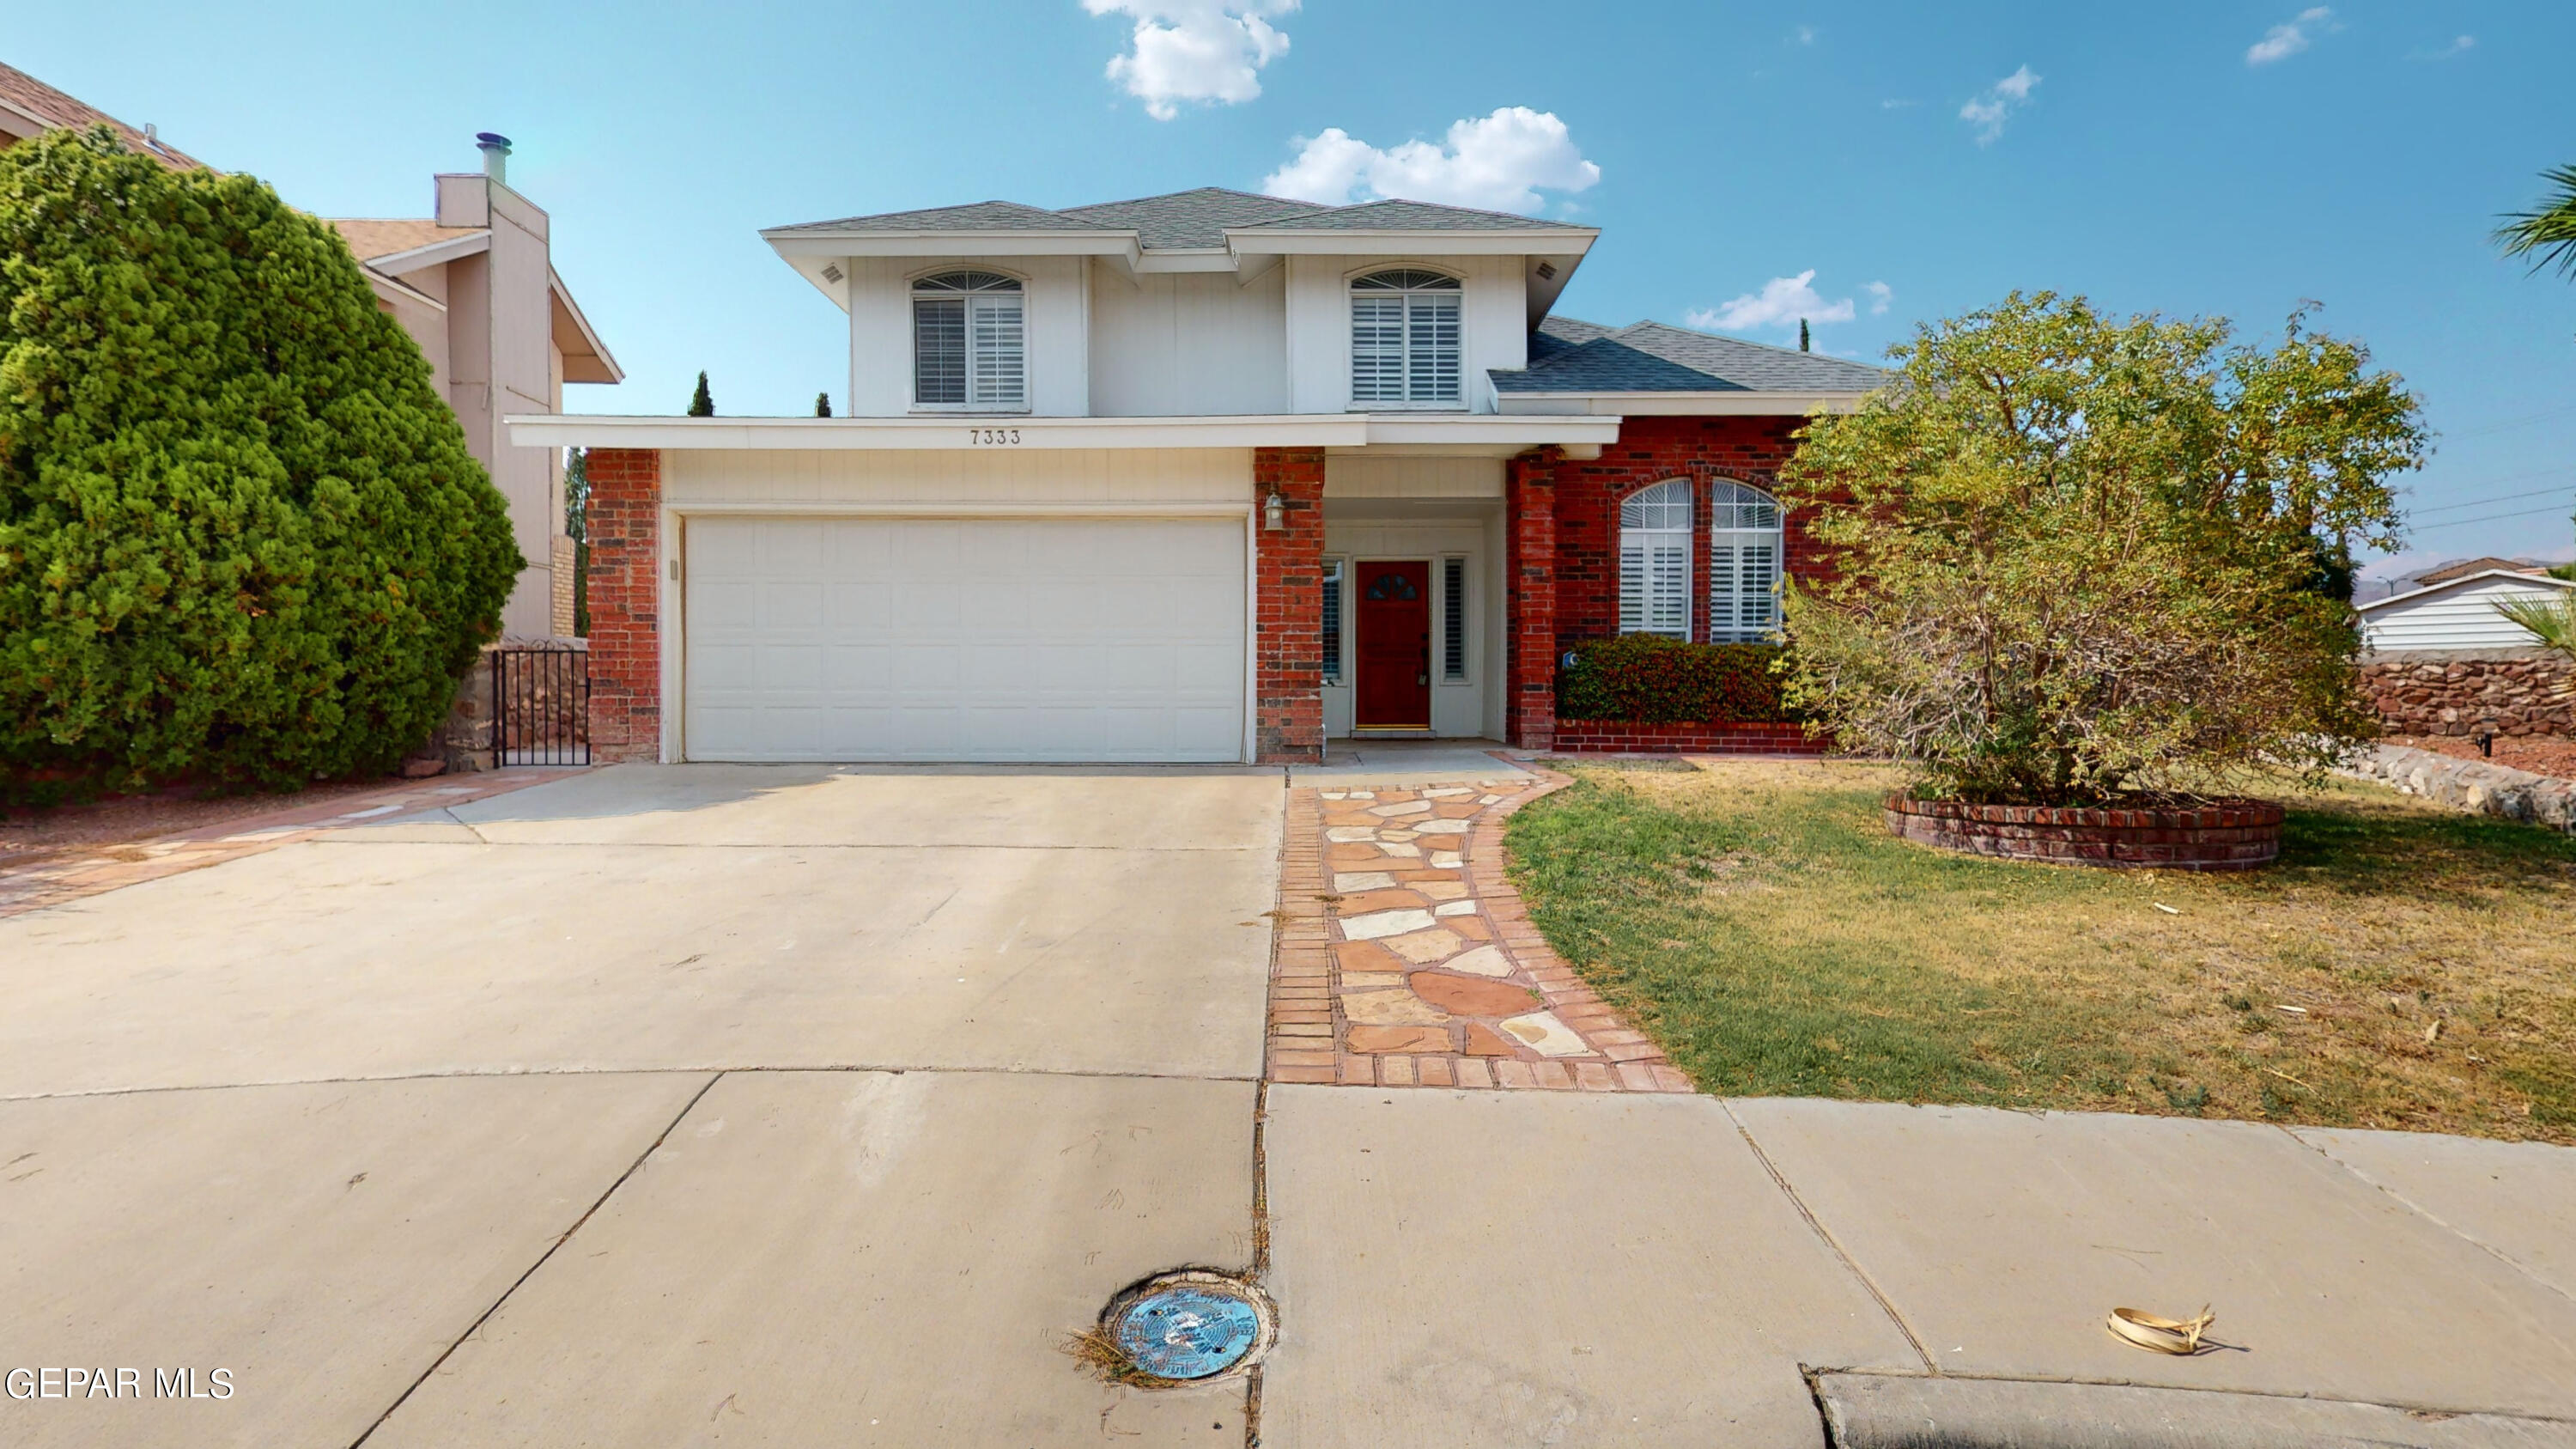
[1649, 679]
[241, 538]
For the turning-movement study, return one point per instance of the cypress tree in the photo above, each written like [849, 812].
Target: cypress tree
[242, 540]
[1802, 334]
[702, 404]
[822, 404]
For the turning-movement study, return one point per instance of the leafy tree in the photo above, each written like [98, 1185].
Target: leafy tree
[822, 404]
[702, 404]
[2079, 557]
[577, 528]
[1802, 334]
[241, 538]
[2547, 232]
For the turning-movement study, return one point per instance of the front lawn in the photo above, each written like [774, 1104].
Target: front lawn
[2400, 967]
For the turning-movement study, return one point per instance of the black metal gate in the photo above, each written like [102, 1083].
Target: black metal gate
[540, 706]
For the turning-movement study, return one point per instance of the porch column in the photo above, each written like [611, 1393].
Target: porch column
[1288, 637]
[1529, 633]
[625, 529]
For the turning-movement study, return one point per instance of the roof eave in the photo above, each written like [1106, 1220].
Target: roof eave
[568, 312]
[1729, 402]
[1324, 241]
[413, 259]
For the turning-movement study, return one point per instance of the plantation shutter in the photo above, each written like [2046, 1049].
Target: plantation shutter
[1743, 565]
[1000, 368]
[939, 350]
[1654, 560]
[1432, 347]
[1377, 348]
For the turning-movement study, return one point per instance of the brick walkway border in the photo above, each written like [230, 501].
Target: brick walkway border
[1309, 1033]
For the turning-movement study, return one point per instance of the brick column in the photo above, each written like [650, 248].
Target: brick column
[1529, 633]
[625, 521]
[1288, 640]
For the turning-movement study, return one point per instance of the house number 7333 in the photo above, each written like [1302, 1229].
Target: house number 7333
[992, 437]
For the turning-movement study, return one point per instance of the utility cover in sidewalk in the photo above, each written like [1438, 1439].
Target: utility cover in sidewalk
[1192, 1325]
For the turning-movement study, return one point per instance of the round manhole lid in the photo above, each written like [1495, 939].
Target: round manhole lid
[1191, 1325]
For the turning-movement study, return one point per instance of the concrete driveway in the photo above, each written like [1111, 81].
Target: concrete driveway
[862, 1087]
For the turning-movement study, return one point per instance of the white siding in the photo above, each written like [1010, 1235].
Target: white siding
[1319, 324]
[2462, 617]
[1369, 475]
[1059, 351]
[1185, 344]
[936, 476]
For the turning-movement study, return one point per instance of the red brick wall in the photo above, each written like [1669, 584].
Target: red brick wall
[1529, 639]
[1288, 641]
[1651, 450]
[1618, 737]
[625, 521]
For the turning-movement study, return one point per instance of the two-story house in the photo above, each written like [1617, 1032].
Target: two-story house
[1206, 476]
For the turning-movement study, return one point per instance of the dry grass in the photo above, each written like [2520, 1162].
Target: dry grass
[1100, 1356]
[2401, 967]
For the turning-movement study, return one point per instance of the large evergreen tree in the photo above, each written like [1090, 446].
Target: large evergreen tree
[241, 537]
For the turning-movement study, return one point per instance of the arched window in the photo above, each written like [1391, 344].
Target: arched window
[1405, 338]
[1743, 565]
[1654, 560]
[968, 347]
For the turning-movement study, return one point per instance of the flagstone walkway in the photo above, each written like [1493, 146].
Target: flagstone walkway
[1404, 958]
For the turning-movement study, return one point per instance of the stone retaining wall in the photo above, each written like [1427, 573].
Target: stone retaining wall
[2228, 835]
[2472, 785]
[2459, 692]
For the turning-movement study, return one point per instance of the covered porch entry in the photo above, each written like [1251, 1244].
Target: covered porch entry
[1413, 597]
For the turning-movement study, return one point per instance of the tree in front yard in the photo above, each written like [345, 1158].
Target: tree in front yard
[241, 538]
[2079, 558]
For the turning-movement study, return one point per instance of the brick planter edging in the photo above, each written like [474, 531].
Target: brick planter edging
[1601, 736]
[2223, 835]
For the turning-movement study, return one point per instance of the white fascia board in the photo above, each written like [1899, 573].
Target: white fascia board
[953, 433]
[1188, 259]
[581, 324]
[1471, 429]
[2446, 585]
[1683, 404]
[395, 264]
[394, 290]
[793, 245]
[1545, 241]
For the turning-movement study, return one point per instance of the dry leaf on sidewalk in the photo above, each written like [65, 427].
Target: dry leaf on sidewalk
[2161, 1335]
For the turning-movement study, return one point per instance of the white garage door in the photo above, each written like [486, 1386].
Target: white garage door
[985, 639]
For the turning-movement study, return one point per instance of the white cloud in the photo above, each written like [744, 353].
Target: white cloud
[1195, 50]
[1880, 294]
[1499, 163]
[2460, 45]
[1988, 112]
[1894, 104]
[1804, 35]
[2289, 38]
[1783, 302]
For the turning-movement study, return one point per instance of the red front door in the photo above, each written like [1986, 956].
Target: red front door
[1395, 646]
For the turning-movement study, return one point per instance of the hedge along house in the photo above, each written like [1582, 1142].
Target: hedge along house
[1206, 476]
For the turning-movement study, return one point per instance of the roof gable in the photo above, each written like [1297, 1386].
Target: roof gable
[974, 216]
[1653, 357]
[2479, 582]
[1197, 218]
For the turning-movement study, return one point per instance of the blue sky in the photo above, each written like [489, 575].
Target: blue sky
[2191, 158]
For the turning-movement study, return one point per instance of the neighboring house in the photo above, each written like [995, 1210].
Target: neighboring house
[475, 287]
[1205, 476]
[2458, 612]
[474, 284]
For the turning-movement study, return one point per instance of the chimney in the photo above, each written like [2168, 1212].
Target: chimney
[496, 155]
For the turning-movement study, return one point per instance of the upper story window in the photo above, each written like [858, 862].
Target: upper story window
[1654, 560]
[1744, 546]
[1405, 339]
[968, 342]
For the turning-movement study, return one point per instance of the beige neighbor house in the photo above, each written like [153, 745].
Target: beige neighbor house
[474, 284]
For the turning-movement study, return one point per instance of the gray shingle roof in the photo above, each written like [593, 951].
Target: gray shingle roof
[1189, 218]
[1197, 218]
[1562, 334]
[1652, 357]
[977, 216]
[1410, 216]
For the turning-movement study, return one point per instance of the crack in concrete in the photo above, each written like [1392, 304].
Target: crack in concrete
[1780, 1179]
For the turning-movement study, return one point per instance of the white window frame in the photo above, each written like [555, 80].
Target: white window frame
[1336, 614]
[985, 299]
[1655, 560]
[1747, 559]
[1419, 296]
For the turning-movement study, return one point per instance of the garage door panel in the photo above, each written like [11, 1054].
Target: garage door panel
[927, 639]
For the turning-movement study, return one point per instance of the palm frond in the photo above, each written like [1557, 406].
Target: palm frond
[2547, 233]
[2554, 620]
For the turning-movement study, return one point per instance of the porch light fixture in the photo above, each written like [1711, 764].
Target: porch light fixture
[1274, 514]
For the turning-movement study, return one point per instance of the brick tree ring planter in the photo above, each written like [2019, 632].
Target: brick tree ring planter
[2222, 835]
